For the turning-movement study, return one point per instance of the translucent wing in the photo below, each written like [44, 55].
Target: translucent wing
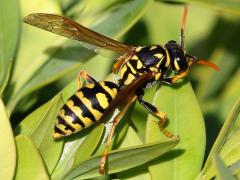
[69, 28]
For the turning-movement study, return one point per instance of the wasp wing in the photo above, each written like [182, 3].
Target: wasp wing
[66, 27]
[128, 93]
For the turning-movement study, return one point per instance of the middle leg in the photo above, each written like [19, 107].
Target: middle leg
[162, 116]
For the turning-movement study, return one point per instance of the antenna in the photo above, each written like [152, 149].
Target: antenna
[184, 17]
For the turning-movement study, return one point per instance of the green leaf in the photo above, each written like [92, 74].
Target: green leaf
[39, 125]
[140, 172]
[229, 96]
[185, 120]
[7, 146]
[89, 145]
[46, 69]
[225, 5]
[122, 159]
[229, 153]
[222, 171]
[9, 34]
[222, 137]
[34, 41]
[30, 164]
[76, 149]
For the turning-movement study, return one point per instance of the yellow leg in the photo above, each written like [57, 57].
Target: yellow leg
[175, 78]
[84, 75]
[162, 116]
[162, 119]
[180, 76]
[120, 60]
[116, 120]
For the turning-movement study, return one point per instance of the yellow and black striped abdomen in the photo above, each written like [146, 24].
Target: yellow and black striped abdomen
[84, 108]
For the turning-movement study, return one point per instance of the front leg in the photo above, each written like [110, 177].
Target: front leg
[174, 79]
[162, 117]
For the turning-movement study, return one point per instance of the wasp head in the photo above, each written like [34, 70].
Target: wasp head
[178, 60]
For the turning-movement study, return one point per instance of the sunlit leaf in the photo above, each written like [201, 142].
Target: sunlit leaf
[7, 146]
[77, 149]
[185, 120]
[222, 171]
[122, 159]
[30, 164]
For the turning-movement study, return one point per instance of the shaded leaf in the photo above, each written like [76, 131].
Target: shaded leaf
[31, 40]
[39, 125]
[225, 5]
[7, 146]
[9, 34]
[30, 164]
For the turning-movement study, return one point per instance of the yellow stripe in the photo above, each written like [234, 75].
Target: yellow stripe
[139, 64]
[152, 48]
[157, 76]
[167, 58]
[138, 49]
[102, 99]
[153, 69]
[134, 57]
[90, 85]
[69, 120]
[78, 112]
[158, 55]
[132, 69]
[176, 65]
[112, 92]
[129, 79]
[88, 104]
[123, 71]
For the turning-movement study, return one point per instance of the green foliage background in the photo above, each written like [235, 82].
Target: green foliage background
[38, 73]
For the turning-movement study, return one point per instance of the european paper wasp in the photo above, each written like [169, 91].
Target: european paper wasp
[138, 68]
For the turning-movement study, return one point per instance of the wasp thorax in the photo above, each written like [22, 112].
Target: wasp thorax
[178, 60]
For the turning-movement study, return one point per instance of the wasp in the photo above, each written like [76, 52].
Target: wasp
[137, 68]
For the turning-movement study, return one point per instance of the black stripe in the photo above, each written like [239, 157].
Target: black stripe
[134, 67]
[147, 56]
[63, 122]
[134, 63]
[111, 85]
[59, 131]
[90, 93]
[85, 111]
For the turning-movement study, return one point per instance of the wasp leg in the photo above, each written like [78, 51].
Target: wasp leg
[174, 79]
[115, 122]
[84, 75]
[162, 117]
[120, 60]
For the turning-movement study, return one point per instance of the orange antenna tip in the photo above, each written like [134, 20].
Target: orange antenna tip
[184, 17]
[209, 64]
